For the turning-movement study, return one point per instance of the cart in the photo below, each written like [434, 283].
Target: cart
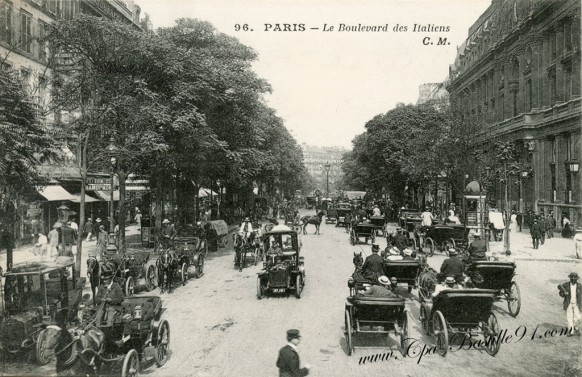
[362, 230]
[379, 223]
[405, 272]
[461, 311]
[441, 237]
[379, 315]
[498, 276]
[331, 215]
[219, 232]
[342, 209]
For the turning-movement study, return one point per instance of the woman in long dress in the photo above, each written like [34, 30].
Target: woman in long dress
[513, 222]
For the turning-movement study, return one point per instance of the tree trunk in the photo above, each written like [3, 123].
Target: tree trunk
[121, 221]
[83, 169]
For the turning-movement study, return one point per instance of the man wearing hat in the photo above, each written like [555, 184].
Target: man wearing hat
[449, 283]
[168, 232]
[246, 228]
[477, 248]
[53, 238]
[572, 293]
[408, 254]
[536, 233]
[109, 296]
[373, 266]
[382, 290]
[288, 361]
[453, 266]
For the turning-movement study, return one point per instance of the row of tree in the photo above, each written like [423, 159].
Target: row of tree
[181, 106]
[413, 147]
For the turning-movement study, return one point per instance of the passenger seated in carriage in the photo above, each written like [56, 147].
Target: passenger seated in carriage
[399, 241]
[109, 297]
[408, 254]
[448, 284]
[477, 249]
[391, 254]
[453, 266]
[382, 290]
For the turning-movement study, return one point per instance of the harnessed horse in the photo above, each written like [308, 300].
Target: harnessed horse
[358, 262]
[166, 265]
[242, 245]
[94, 274]
[315, 220]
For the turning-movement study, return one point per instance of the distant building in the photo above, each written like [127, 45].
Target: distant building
[432, 92]
[316, 158]
[519, 71]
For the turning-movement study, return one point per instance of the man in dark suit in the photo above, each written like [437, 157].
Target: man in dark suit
[288, 361]
[542, 224]
[477, 248]
[572, 293]
[536, 233]
[373, 266]
[453, 266]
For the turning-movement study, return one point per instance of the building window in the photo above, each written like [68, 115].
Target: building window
[42, 43]
[554, 153]
[6, 22]
[25, 31]
[502, 107]
[569, 80]
[552, 86]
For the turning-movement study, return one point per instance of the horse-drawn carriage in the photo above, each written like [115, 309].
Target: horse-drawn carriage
[459, 312]
[498, 276]
[35, 296]
[342, 209]
[190, 254]
[128, 269]
[409, 219]
[331, 214]
[379, 223]
[442, 236]
[380, 315]
[104, 347]
[283, 268]
[362, 230]
[405, 272]
[217, 234]
[311, 202]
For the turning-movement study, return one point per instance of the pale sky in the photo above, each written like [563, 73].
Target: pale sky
[327, 85]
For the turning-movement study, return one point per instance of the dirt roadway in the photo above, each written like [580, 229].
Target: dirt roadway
[219, 327]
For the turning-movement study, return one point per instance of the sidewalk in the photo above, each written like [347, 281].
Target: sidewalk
[556, 249]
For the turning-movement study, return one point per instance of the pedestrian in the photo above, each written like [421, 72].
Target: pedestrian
[35, 230]
[542, 224]
[138, 218]
[513, 222]
[68, 239]
[549, 227]
[53, 245]
[101, 242]
[40, 247]
[536, 234]
[75, 227]
[578, 242]
[571, 291]
[566, 231]
[96, 227]
[520, 221]
[88, 231]
[288, 360]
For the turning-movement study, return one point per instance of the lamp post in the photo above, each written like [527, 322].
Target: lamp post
[465, 177]
[112, 149]
[506, 245]
[327, 166]
[219, 198]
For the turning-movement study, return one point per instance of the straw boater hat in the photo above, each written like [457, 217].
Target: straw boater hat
[384, 280]
[450, 280]
[166, 221]
[452, 251]
[407, 252]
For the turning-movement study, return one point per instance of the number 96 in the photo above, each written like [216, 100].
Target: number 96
[238, 27]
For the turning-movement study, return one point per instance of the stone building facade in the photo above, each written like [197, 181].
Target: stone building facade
[315, 160]
[519, 71]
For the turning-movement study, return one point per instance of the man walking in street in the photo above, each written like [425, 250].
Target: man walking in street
[53, 239]
[571, 291]
[550, 225]
[536, 233]
[68, 235]
[542, 224]
[288, 360]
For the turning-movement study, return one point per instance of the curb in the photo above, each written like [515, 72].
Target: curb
[549, 260]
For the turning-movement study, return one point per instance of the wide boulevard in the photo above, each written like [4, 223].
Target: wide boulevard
[220, 328]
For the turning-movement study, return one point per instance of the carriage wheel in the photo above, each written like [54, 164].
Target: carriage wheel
[439, 326]
[452, 243]
[429, 245]
[150, 278]
[260, 289]
[184, 273]
[41, 355]
[129, 286]
[130, 364]
[199, 269]
[349, 333]
[424, 320]
[513, 299]
[404, 340]
[490, 332]
[298, 286]
[162, 343]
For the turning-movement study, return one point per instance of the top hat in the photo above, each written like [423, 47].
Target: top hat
[293, 334]
[375, 247]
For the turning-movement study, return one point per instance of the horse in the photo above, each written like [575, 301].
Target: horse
[427, 280]
[94, 274]
[166, 265]
[315, 220]
[358, 262]
[242, 245]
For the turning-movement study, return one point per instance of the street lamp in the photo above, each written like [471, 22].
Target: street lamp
[574, 166]
[464, 217]
[112, 150]
[219, 198]
[327, 166]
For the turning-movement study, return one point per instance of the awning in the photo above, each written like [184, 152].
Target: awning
[55, 193]
[204, 192]
[88, 199]
[106, 195]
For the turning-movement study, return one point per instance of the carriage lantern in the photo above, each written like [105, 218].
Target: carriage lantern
[137, 312]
